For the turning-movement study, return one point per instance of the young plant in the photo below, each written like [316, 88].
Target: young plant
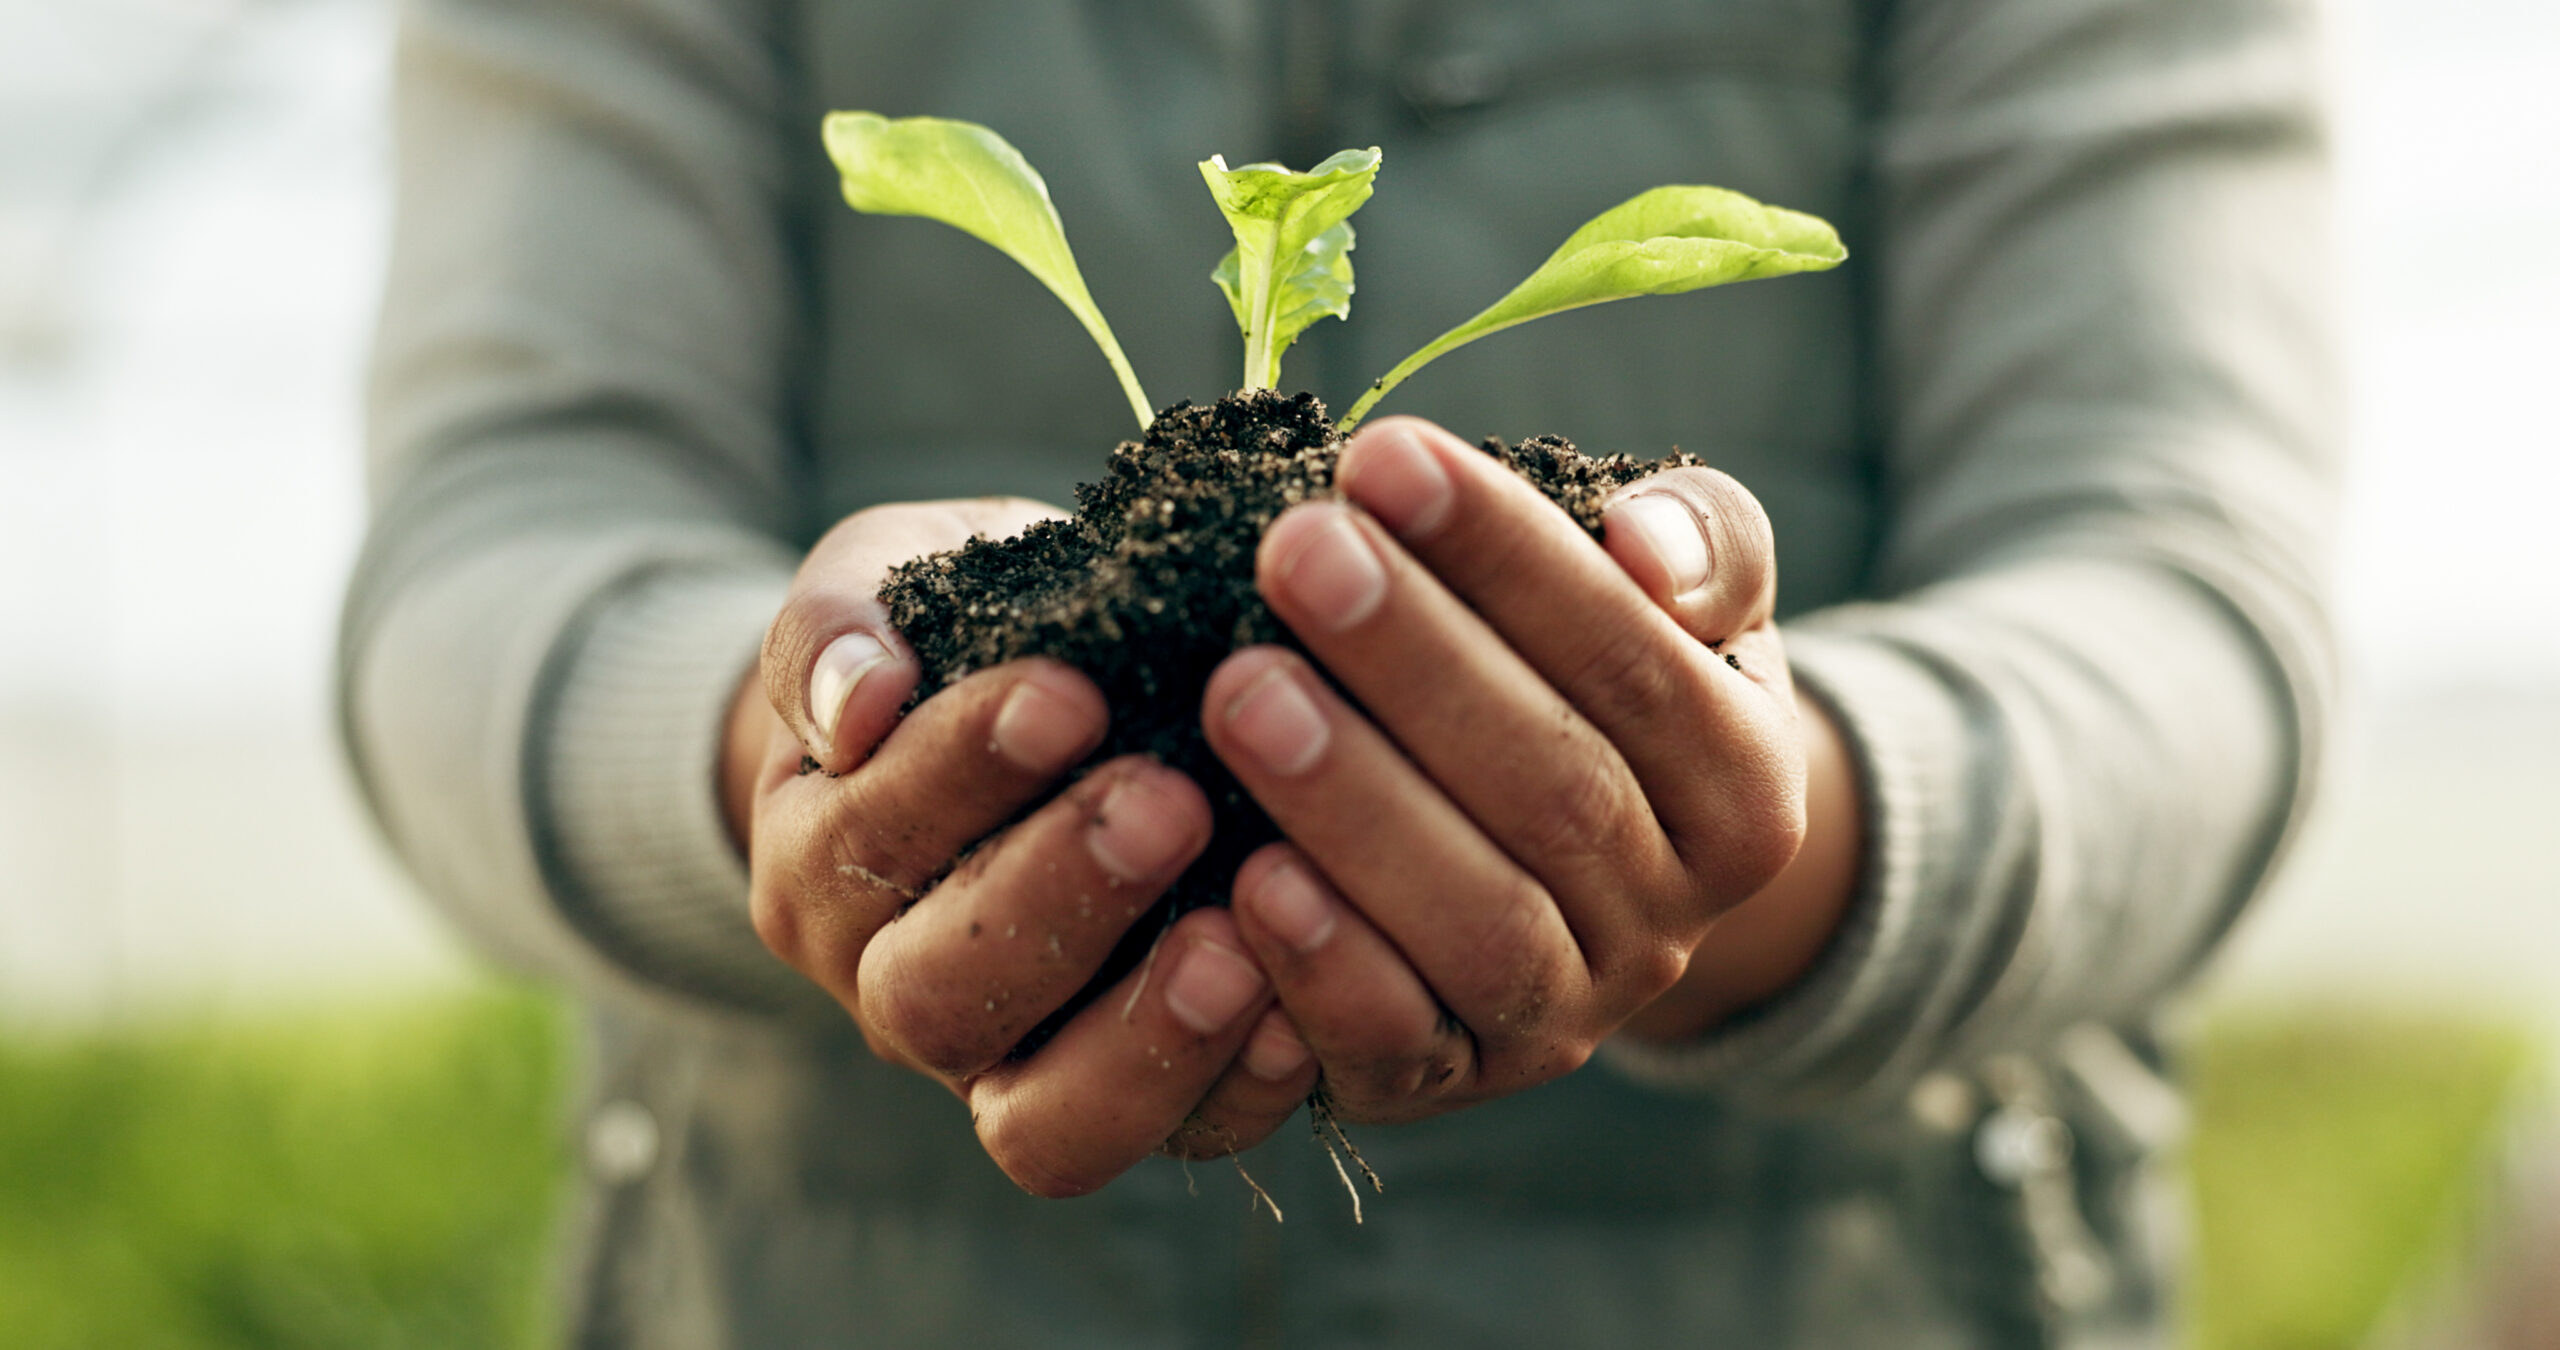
[1292, 261]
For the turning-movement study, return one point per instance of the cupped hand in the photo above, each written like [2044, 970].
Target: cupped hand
[859, 880]
[1574, 757]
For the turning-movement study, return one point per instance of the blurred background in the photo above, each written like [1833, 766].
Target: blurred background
[250, 1092]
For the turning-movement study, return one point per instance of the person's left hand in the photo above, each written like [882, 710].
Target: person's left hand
[1574, 758]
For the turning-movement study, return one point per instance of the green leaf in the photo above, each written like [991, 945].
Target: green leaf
[1661, 242]
[1292, 261]
[970, 178]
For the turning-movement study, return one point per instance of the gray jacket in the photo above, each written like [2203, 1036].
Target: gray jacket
[2052, 471]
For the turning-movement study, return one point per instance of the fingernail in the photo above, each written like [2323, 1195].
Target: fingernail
[1334, 574]
[1675, 535]
[1139, 831]
[839, 671]
[1275, 1052]
[1211, 987]
[1292, 905]
[1402, 483]
[1276, 723]
[1039, 731]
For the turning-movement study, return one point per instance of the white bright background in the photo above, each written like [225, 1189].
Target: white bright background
[191, 222]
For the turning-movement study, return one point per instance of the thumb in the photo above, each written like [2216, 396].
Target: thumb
[1699, 544]
[833, 666]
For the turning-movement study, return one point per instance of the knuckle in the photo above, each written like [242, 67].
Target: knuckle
[1761, 837]
[1581, 820]
[1643, 974]
[946, 1035]
[1377, 1074]
[1439, 1073]
[920, 1035]
[1515, 937]
[1543, 1062]
[1034, 1161]
[777, 924]
[1622, 679]
[879, 1046]
[863, 855]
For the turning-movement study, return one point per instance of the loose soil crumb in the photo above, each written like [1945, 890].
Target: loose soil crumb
[1150, 585]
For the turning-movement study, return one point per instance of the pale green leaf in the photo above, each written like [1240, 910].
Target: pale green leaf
[970, 178]
[1319, 288]
[1661, 242]
[1292, 261]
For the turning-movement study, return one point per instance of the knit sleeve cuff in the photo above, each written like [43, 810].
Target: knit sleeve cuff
[626, 783]
[1836, 1033]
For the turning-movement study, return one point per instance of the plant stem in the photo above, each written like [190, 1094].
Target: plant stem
[1259, 282]
[1386, 383]
[1120, 366]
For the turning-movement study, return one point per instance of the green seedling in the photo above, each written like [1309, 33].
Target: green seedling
[1292, 261]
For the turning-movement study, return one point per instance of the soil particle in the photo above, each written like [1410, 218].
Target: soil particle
[1150, 584]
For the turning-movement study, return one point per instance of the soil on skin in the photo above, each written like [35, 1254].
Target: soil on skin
[1150, 585]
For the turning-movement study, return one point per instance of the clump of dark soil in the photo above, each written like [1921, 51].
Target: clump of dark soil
[1150, 585]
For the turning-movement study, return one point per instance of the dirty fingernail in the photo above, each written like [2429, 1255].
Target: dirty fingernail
[1040, 731]
[1334, 574]
[1292, 905]
[839, 671]
[1275, 1052]
[1139, 832]
[1276, 723]
[1402, 483]
[1212, 987]
[1675, 535]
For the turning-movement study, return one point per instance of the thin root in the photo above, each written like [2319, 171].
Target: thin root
[1320, 1107]
[1261, 1196]
[1146, 968]
[911, 893]
[1195, 1125]
[1354, 1191]
[1321, 1123]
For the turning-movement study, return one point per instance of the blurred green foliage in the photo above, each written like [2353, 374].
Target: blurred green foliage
[375, 1178]
[2338, 1159]
[390, 1178]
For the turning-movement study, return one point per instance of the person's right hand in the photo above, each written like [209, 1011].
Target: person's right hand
[944, 969]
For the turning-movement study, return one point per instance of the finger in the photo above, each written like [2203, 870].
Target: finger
[835, 858]
[1485, 935]
[1258, 1092]
[1698, 545]
[1539, 778]
[1020, 928]
[833, 667]
[1696, 733]
[1388, 1050]
[1123, 1075]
